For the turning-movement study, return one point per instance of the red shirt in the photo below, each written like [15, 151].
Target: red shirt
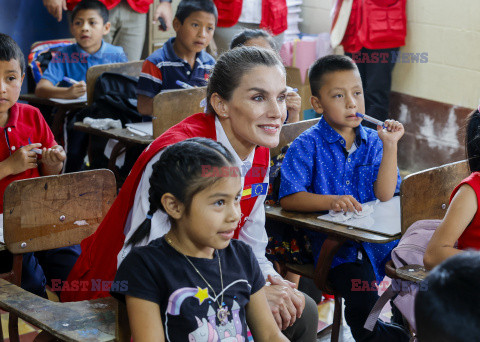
[470, 237]
[24, 122]
[274, 14]
[140, 6]
[375, 24]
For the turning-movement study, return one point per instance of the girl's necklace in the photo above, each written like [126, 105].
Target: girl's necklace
[222, 312]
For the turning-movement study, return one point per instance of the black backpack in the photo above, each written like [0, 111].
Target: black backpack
[114, 97]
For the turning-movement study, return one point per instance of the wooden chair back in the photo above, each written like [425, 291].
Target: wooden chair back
[290, 132]
[129, 68]
[52, 212]
[55, 211]
[171, 107]
[426, 194]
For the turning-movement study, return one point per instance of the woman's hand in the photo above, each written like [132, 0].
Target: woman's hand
[55, 7]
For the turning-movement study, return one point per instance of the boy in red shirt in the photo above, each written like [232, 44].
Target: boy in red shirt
[28, 149]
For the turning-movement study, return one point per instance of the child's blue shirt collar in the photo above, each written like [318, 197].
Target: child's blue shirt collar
[332, 136]
[170, 52]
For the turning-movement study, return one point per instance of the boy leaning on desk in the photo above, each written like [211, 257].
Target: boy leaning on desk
[337, 165]
[66, 74]
[27, 150]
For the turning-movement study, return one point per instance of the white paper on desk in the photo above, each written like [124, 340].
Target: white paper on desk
[385, 218]
[139, 128]
[81, 99]
[2, 240]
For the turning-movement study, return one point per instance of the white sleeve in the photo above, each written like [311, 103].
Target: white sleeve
[254, 234]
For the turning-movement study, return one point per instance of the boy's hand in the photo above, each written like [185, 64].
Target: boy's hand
[345, 203]
[164, 10]
[77, 90]
[55, 7]
[53, 155]
[392, 132]
[294, 103]
[23, 159]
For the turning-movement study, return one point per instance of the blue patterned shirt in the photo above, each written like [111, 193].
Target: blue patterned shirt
[318, 162]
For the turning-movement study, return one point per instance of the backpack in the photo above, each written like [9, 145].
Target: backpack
[39, 57]
[410, 251]
[114, 97]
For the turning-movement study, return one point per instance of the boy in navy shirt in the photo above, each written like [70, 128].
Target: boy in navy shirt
[181, 58]
[89, 23]
[337, 165]
[27, 150]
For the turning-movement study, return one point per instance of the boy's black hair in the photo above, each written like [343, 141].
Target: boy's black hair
[9, 50]
[181, 172]
[325, 65]
[448, 310]
[187, 7]
[472, 141]
[91, 5]
[242, 37]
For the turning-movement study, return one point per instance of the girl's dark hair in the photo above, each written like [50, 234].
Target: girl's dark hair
[9, 50]
[233, 65]
[91, 5]
[187, 7]
[472, 141]
[181, 171]
[244, 36]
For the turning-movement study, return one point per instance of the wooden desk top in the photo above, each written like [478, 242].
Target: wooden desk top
[415, 273]
[123, 135]
[32, 99]
[310, 221]
[72, 322]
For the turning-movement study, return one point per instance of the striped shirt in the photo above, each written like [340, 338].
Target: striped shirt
[163, 68]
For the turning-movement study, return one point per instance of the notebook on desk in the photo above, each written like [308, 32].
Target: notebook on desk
[140, 128]
[385, 218]
[80, 99]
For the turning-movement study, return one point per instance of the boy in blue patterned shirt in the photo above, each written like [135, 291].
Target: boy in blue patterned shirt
[337, 165]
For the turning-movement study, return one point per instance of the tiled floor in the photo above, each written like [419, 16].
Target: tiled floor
[27, 331]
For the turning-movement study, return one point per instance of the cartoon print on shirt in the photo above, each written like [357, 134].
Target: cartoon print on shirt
[210, 329]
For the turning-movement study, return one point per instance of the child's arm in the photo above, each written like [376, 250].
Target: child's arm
[46, 89]
[52, 160]
[307, 202]
[294, 103]
[260, 319]
[145, 105]
[145, 320]
[460, 213]
[384, 186]
[21, 160]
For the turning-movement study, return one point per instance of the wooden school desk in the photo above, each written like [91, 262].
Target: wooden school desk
[125, 138]
[337, 235]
